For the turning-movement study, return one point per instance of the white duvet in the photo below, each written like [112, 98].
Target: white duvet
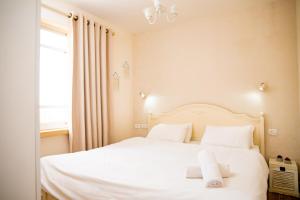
[145, 169]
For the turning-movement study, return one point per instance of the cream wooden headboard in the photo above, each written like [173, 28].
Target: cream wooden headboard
[205, 114]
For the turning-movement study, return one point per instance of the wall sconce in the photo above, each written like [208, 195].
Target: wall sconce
[142, 95]
[262, 86]
[150, 104]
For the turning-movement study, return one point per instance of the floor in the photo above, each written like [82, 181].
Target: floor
[274, 196]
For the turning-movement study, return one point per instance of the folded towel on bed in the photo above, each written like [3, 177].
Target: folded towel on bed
[194, 171]
[210, 169]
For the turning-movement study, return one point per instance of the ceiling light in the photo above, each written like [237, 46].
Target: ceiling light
[153, 13]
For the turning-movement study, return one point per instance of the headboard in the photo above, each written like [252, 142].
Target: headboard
[205, 114]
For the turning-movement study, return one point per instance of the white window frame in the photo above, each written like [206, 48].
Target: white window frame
[65, 32]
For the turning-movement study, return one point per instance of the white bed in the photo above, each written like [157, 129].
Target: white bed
[141, 168]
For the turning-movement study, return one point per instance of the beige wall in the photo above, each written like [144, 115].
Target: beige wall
[216, 59]
[54, 145]
[18, 89]
[298, 55]
[221, 59]
[120, 94]
[121, 91]
[298, 44]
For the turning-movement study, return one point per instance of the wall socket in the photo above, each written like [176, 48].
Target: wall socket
[273, 131]
[140, 126]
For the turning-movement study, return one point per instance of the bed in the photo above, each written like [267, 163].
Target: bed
[147, 169]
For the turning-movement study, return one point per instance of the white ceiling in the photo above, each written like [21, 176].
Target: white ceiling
[128, 14]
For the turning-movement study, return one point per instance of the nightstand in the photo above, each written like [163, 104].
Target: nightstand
[283, 178]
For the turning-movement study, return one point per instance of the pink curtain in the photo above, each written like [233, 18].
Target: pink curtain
[90, 85]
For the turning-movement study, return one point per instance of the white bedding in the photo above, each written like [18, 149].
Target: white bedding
[145, 169]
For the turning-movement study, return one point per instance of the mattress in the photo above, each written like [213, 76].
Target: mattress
[144, 169]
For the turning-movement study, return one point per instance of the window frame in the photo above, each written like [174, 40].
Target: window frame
[52, 132]
[54, 28]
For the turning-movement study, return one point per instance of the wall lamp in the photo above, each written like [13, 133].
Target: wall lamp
[262, 86]
[142, 95]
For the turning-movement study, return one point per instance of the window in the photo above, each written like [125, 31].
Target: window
[55, 79]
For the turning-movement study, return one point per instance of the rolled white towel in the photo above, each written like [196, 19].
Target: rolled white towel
[194, 171]
[210, 169]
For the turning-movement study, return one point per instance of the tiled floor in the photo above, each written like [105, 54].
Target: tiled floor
[274, 196]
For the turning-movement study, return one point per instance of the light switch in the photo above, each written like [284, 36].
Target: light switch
[273, 131]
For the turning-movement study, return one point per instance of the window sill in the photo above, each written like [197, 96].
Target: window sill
[54, 133]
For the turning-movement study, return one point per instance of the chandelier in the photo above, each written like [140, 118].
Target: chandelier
[158, 10]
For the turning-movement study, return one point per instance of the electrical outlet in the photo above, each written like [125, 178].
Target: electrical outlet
[140, 126]
[144, 126]
[273, 131]
[137, 126]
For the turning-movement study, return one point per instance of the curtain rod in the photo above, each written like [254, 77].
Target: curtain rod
[69, 15]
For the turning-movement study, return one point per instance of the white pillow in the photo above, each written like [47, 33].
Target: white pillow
[231, 136]
[170, 132]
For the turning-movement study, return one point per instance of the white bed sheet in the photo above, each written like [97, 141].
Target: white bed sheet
[145, 169]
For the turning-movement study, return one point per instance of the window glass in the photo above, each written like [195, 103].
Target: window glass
[55, 80]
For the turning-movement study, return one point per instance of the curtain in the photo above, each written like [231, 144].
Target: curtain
[90, 85]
